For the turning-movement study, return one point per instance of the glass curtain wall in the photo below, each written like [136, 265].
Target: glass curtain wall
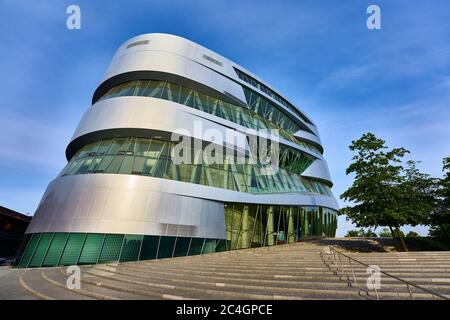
[255, 83]
[258, 115]
[152, 157]
[247, 226]
[250, 226]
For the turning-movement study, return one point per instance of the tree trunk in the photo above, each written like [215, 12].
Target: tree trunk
[400, 238]
[394, 236]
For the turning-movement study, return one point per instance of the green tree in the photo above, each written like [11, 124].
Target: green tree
[412, 234]
[370, 234]
[352, 234]
[439, 219]
[361, 233]
[419, 195]
[385, 233]
[383, 193]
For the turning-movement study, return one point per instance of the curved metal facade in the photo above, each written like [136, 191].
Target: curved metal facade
[129, 201]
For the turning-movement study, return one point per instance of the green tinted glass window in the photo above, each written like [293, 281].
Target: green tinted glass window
[91, 249]
[131, 248]
[149, 247]
[210, 246]
[166, 245]
[235, 174]
[111, 248]
[182, 247]
[72, 249]
[55, 250]
[41, 250]
[196, 246]
[29, 250]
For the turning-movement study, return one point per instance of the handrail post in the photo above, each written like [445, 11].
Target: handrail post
[375, 288]
[340, 264]
[410, 291]
[353, 272]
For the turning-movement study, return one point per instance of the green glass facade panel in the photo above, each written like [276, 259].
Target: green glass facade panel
[131, 247]
[41, 250]
[111, 248]
[209, 246]
[196, 246]
[92, 248]
[149, 248]
[166, 245]
[55, 250]
[259, 113]
[33, 242]
[221, 245]
[182, 247]
[72, 249]
[151, 157]
[247, 226]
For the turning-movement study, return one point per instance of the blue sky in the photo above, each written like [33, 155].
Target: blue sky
[394, 82]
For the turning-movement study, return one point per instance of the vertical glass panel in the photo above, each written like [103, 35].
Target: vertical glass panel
[104, 146]
[141, 147]
[182, 247]
[270, 230]
[149, 247]
[155, 149]
[55, 250]
[72, 249]
[166, 245]
[236, 225]
[111, 248]
[149, 166]
[29, 250]
[196, 246]
[228, 223]
[117, 145]
[41, 250]
[22, 248]
[138, 165]
[91, 249]
[115, 164]
[106, 161]
[258, 233]
[127, 164]
[131, 247]
[221, 246]
[210, 246]
[290, 222]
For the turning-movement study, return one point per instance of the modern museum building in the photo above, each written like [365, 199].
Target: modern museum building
[124, 196]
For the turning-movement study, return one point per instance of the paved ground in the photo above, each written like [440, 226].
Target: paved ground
[10, 287]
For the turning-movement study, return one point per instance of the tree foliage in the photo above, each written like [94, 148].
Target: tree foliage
[439, 219]
[412, 234]
[375, 191]
[385, 233]
[361, 233]
[384, 192]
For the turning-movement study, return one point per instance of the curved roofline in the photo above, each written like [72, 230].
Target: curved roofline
[234, 65]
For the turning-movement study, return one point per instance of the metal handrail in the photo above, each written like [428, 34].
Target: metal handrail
[408, 284]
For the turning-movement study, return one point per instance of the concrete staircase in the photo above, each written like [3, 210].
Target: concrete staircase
[295, 271]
